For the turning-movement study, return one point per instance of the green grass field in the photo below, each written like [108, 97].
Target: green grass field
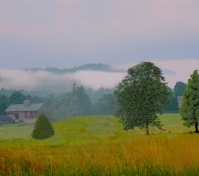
[86, 129]
[97, 145]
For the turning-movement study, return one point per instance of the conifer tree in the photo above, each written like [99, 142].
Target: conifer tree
[190, 102]
[43, 128]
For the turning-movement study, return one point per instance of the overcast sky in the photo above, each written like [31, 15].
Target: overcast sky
[120, 33]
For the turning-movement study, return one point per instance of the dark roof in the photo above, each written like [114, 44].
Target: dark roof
[22, 107]
[4, 118]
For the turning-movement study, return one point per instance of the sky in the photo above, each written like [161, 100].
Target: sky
[120, 33]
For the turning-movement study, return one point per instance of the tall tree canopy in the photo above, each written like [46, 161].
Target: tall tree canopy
[190, 102]
[16, 98]
[72, 104]
[179, 88]
[3, 105]
[105, 105]
[173, 103]
[141, 94]
[83, 99]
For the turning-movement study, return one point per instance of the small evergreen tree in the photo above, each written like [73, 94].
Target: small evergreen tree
[190, 102]
[43, 128]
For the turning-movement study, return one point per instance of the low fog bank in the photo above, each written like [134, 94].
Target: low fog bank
[91, 76]
[173, 70]
[79, 92]
[44, 80]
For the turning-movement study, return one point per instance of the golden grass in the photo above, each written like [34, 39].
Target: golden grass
[98, 146]
[148, 155]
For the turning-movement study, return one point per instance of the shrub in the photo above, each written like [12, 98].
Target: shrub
[43, 128]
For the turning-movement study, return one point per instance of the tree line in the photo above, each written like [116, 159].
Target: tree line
[78, 102]
[75, 103]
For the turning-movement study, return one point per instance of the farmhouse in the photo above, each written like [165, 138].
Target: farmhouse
[25, 113]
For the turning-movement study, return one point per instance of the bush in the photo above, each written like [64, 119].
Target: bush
[43, 128]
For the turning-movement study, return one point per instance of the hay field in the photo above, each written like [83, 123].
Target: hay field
[97, 145]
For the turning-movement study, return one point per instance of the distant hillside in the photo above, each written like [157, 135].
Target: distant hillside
[97, 67]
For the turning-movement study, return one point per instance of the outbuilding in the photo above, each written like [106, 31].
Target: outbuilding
[25, 113]
[4, 119]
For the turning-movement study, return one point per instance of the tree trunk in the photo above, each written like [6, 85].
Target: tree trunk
[147, 128]
[196, 127]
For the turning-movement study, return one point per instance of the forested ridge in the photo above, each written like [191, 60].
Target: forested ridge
[96, 67]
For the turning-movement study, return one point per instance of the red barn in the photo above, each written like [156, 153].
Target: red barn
[25, 113]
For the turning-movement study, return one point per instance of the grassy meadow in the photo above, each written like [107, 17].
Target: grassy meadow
[97, 145]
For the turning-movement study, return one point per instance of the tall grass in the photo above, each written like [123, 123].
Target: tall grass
[99, 146]
[154, 155]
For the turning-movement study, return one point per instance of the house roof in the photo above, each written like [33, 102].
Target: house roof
[22, 107]
[4, 118]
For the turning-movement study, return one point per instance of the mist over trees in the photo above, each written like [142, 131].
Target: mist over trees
[107, 104]
[76, 100]
[71, 104]
[75, 103]
[79, 101]
[44, 81]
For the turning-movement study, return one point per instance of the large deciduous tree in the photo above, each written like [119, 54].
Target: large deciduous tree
[190, 102]
[141, 94]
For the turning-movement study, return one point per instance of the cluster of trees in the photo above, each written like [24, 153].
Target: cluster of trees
[101, 101]
[40, 93]
[179, 89]
[143, 93]
[78, 102]
[75, 103]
